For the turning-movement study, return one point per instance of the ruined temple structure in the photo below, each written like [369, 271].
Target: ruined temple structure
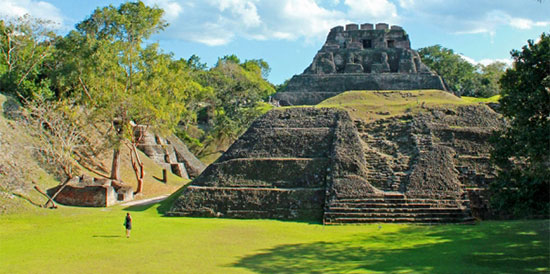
[319, 164]
[92, 192]
[170, 153]
[362, 57]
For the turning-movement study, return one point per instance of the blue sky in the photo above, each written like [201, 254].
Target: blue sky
[288, 33]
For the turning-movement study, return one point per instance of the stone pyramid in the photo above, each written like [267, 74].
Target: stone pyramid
[362, 57]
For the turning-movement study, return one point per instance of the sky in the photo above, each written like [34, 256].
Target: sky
[288, 33]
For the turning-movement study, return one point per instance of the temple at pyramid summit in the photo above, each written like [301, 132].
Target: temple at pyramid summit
[364, 57]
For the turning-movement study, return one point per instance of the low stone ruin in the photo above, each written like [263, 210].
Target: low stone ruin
[92, 192]
[170, 153]
[318, 164]
[362, 57]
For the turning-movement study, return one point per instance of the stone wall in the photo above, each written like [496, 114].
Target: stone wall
[306, 163]
[279, 168]
[92, 192]
[311, 89]
[360, 58]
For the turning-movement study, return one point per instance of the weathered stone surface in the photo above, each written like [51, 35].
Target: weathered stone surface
[280, 168]
[360, 59]
[92, 192]
[171, 153]
[430, 167]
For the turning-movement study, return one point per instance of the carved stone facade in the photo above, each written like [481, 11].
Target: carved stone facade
[365, 57]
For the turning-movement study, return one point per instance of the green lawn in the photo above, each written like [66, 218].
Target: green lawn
[372, 105]
[88, 240]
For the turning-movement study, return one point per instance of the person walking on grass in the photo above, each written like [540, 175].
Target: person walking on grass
[128, 224]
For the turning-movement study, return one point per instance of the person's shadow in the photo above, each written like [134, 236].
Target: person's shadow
[106, 236]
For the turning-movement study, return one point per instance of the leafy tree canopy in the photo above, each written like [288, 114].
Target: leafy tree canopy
[26, 46]
[522, 151]
[461, 76]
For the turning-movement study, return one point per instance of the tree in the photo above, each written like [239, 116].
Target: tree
[105, 64]
[194, 62]
[462, 77]
[237, 92]
[489, 79]
[522, 150]
[26, 44]
[457, 72]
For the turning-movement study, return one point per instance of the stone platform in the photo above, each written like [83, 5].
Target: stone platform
[311, 89]
[317, 164]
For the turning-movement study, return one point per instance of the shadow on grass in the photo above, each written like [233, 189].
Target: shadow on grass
[491, 247]
[107, 236]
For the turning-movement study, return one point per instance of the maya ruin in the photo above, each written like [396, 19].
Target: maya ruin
[320, 164]
[364, 57]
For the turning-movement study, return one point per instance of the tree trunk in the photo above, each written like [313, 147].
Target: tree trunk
[137, 165]
[115, 168]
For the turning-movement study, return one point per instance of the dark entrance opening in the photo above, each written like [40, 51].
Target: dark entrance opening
[367, 44]
[391, 43]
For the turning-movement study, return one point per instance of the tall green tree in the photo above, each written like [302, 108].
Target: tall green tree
[489, 78]
[108, 65]
[26, 45]
[457, 72]
[238, 91]
[461, 76]
[522, 150]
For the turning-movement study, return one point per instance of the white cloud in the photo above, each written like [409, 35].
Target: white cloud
[406, 3]
[522, 23]
[37, 9]
[476, 16]
[218, 22]
[486, 61]
[172, 9]
[243, 9]
[372, 9]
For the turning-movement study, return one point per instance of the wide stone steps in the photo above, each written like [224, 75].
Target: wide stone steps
[395, 207]
[398, 200]
[376, 210]
[392, 205]
[336, 215]
[421, 220]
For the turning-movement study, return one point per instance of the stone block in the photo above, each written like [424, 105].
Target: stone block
[382, 26]
[124, 194]
[355, 45]
[394, 27]
[406, 66]
[337, 29]
[86, 180]
[367, 26]
[179, 169]
[354, 68]
[380, 68]
[102, 181]
[352, 27]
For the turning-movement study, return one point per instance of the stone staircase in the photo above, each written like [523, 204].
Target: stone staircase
[397, 208]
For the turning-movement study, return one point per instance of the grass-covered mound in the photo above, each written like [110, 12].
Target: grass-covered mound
[373, 105]
[91, 240]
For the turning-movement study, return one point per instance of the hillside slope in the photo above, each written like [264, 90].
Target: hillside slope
[19, 166]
